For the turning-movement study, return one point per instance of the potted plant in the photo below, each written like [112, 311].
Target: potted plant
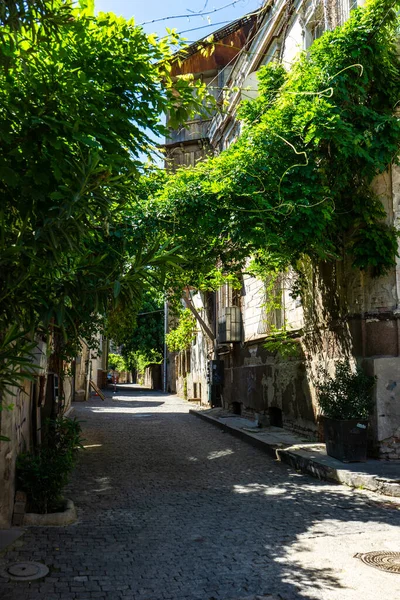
[43, 473]
[346, 404]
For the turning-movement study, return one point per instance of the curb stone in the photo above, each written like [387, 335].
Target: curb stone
[301, 461]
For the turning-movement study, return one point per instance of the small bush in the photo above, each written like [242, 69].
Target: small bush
[116, 363]
[43, 474]
[347, 395]
[183, 335]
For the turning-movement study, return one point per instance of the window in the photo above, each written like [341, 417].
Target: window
[273, 313]
[314, 23]
[227, 296]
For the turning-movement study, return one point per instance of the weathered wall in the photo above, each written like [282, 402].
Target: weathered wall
[90, 364]
[125, 377]
[22, 425]
[190, 369]
[344, 312]
[153, 377]
[81, 374]
[259, 382]
[332, 329]
[16, 424]
[387, 413]
[68, 392]
[171, 373]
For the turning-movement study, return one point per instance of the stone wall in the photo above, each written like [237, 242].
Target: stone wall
[261, 386]
[153, 377]
[16, 424]
[258, 382]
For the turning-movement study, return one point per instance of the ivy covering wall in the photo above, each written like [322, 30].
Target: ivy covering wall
[297, 183]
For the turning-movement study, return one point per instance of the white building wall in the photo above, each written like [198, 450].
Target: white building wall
[253, 311]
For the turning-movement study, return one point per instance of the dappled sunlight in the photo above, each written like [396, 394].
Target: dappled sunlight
[103, 483]
[259, 488]
[120, 409]
[219, 454]
[93, 446]
[276, 530]
[311, 563]
[136, 400]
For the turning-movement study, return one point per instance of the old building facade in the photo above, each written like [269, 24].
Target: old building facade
[343, 313]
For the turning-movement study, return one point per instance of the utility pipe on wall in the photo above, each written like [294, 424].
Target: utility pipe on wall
[165, 345]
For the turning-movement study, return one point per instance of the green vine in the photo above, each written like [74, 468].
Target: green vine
[280, 342]
[297, 183]
[182, 336]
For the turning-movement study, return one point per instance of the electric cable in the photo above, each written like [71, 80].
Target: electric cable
[192, 14]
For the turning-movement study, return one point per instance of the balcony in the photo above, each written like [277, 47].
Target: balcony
[191, 132]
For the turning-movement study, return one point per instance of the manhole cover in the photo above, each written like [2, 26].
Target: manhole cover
[385, 561]
[25, 571]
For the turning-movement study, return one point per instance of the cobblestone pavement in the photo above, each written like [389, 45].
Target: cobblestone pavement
[171, 508]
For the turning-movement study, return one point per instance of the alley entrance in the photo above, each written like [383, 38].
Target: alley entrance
[171, 508]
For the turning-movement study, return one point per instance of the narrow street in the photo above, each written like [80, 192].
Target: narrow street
[171, 508]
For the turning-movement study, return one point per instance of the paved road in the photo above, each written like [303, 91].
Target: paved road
[171, 508]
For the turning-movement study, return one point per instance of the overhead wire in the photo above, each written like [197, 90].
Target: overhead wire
[248, 15]
[203, 27]
[202, 13]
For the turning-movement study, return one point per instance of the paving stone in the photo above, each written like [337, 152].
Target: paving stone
[172, 509]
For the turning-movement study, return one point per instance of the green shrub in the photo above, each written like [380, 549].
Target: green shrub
[347, 395]
[116, 362]
[183, 335]
[140, 359]
[43, 474]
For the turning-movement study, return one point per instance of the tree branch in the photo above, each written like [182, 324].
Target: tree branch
[195, 313]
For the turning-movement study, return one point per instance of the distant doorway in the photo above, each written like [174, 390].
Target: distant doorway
[275, 416]
[236, 408]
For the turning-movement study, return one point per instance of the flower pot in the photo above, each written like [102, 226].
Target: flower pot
[58, 519]
[346, 440]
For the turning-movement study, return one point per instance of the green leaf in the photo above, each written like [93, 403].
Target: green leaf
[117, 288]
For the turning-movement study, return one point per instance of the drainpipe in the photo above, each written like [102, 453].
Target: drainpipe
[165, 344]
[215, 326]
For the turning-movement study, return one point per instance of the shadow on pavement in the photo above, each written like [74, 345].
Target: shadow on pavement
[181, 509]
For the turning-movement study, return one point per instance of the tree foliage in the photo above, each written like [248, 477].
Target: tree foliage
[143, 339]
[116, 362]
[298, 180]
[16, 15]
[79, 104]
[183, 334]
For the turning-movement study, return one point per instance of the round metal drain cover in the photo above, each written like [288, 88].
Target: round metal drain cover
[385, 561]
[25, 571]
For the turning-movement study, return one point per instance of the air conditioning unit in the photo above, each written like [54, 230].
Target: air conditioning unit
[229, 325]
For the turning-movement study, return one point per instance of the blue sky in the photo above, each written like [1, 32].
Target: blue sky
[147, 10]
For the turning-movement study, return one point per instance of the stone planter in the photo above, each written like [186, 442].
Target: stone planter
[346, 440]
[58, 519]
